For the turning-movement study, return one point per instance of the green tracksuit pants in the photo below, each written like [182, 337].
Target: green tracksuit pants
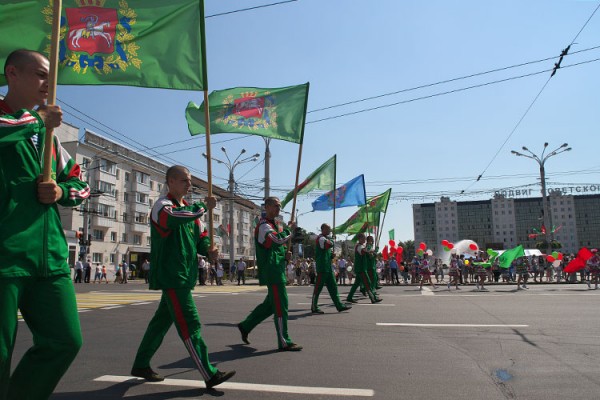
[176, 306]
[326, 279]
[276, 304]
[362, 278]
[49, 309]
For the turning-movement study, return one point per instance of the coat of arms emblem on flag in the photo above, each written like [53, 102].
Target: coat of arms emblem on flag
[250, 111]
[97, 38]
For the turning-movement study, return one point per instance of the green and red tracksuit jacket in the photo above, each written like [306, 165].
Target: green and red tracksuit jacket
[270, 238]
[32, 239]
[177, 239]
[323, 251]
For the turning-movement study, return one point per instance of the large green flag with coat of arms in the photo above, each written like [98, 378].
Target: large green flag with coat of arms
[322, 178]
[276, 113]
[366, 216]
[148, 43]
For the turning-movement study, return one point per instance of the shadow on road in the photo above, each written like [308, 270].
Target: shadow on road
[119, 390]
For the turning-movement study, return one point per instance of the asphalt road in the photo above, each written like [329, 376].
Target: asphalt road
[542, 343]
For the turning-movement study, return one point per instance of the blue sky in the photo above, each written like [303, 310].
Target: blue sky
[350, 50]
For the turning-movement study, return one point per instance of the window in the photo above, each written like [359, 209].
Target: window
[97, 258]
[151, 185]
[141, 177]
[148, 241]
[124, 237]
[140, 218]
[85, 163]
[125, 217]
[118, 173]
[150, 202]
[137, 240]
[113, 236]
[108, 166]
[112, 258]
[159, 186]
[107, 211]
[141, 198]
[125, 196]
[126, 176]
[98, 235]
[105, 188]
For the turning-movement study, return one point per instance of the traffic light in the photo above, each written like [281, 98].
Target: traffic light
[79, 236]
[298, 236]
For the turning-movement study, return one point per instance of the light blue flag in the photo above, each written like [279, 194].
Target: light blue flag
[351, 193]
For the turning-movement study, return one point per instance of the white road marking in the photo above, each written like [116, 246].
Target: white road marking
[322, 391]
[352, 304]
[142, 303]
[451, 325]
[110, 308]
[425, 291]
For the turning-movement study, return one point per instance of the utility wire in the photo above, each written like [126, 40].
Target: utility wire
[556, 66]
[249, 8]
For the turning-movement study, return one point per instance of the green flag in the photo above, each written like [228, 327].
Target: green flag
[391, 234]
[322, 178]
[368, 214]
[148, 43]
[277, 113]
[509, 256]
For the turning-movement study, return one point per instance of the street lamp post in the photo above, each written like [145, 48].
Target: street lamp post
[541, 160]
[231, 188]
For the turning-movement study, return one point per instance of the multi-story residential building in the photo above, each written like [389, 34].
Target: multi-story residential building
[125, 184]
[503, 223]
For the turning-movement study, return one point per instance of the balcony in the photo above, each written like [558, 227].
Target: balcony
[140, 187]
[100, 221]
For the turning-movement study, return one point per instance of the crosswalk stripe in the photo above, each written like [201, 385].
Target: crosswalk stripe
[256, 387]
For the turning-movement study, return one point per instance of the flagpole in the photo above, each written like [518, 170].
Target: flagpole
[207, 119]
[300, 155]
[334, 194]
[52, 82]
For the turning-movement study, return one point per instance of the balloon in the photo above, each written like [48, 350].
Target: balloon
[399, 250]
[467, 262]
[422, 246]
[420, 252]
[560, 256]
[429, 252]
[555, 254]
[446, 248]
[402, 268]
[491, 252]
[473, 246]
[392, 243]
[550, 259]
[444, 242]
[392, 251]
[556, 263]
[450, 246]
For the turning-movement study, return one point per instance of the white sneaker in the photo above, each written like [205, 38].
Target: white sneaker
[449, 285]
[525, 287]
[589, 285]
[478, 286]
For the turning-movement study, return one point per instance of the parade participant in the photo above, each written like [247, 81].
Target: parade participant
[593, 264]
[426, 272]
[35, 277]
[325, 274]
[360, 271]
[372, 263]
[522, 268]
[454, 271]
[341, 265]
[270, 238]
[177, 238]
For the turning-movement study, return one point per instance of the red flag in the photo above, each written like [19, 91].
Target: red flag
[385, 253]
[578, 262]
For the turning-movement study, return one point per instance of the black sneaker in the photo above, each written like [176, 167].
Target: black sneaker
[376, 301]
[351, 301]
[147, 374]
[218, 378]
[291, 347]
[317, 311]
[344, 308]
[244, 334]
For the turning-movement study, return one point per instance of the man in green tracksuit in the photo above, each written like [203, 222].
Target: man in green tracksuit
[360, 270]
[34, 273]
[177, 239]
[270, 238]
[325, 275]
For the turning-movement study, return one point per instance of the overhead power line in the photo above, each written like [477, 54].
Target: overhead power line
[249, 8]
